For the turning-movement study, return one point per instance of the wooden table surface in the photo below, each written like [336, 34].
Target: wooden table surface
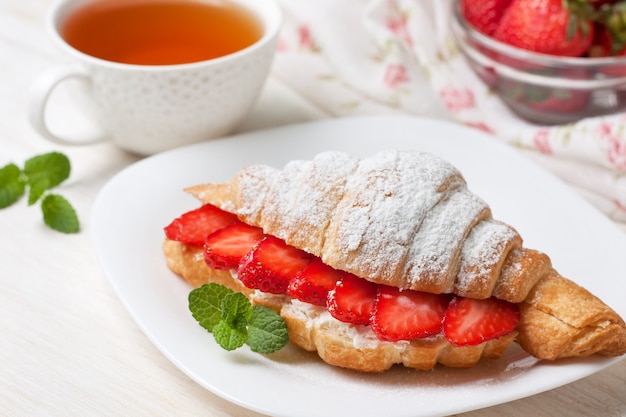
[68, 347]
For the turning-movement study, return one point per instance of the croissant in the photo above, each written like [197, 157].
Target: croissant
[403, 219]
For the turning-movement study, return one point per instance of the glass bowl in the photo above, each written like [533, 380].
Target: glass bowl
[540, 88]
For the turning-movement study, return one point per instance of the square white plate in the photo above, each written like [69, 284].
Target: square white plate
[132, 209]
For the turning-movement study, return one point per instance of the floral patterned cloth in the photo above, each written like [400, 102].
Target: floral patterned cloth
[357, 57]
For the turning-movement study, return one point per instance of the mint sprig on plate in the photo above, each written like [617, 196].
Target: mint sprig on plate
[41, 173]
[234, 321]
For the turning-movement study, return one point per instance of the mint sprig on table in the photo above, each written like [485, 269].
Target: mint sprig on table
[234, 321]
[40, 174]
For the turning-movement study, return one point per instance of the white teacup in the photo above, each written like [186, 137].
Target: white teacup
[147, 109]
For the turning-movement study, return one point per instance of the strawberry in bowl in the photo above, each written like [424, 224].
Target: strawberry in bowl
[547, 60]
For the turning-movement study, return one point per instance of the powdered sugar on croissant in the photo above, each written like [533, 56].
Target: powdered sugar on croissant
[398, 218]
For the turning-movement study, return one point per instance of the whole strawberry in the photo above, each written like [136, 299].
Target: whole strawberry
[484, 15]
[610, 38]
[554, 27]
[606, 44]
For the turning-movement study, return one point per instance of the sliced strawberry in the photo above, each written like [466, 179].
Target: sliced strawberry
[313, 283]
[407, 315]
[352, 300]
[271, 264]
[224, 248]
[194, 226]
[470, 322]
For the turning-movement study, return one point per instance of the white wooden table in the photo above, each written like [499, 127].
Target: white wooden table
[67, 345]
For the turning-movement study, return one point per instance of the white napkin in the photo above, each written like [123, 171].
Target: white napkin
[356, 57]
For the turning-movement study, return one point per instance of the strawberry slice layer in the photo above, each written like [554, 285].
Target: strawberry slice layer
[312, 284]
[271, 264]
[406, 315]
[194, 226]
[224, 248]
[470, 322]
[268, 264]
[352, 300]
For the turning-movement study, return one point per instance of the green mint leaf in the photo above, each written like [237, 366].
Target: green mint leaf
[44, 172]
[267, 331]
[59, 214]
[236, 310]
[234, 321]
[205, 304]
[229, 338]
[12, 185]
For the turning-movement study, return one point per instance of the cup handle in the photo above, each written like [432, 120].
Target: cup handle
[38, 97]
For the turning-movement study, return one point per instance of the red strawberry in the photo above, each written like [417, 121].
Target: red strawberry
[484, 15]
[546, 26]
[352, 300]
[470, 322]
[193, 227]
[224, 248]
[407, 315]
[313, 283]
[610, 31]
[271, 264]
[606, 44]
[611, 38]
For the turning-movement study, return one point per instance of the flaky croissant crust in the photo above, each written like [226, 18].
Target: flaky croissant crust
[408, 219]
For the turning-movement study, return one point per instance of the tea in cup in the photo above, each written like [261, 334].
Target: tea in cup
[158, 74]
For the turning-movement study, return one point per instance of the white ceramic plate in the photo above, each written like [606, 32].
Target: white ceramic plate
[132, 209]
